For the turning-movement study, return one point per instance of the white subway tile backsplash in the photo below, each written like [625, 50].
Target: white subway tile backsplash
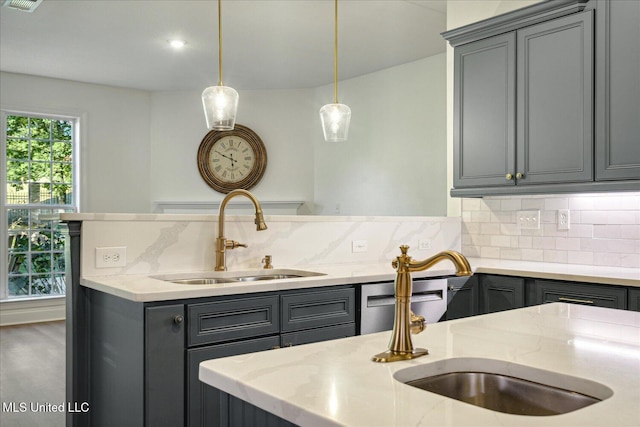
[555, 203]
[580, 257]
[555, 256]
[536, 255]
[604, 229]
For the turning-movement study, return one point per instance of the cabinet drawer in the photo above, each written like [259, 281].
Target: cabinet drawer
[233, 319]
[319, 334]
[314, 309]
[586, 294]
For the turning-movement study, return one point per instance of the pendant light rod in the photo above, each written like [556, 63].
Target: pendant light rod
[220, 43]
[335, 55]
[220, 102]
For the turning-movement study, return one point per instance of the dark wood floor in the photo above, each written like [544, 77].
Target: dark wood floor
[32, 373]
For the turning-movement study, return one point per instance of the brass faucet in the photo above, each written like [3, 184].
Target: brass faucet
[405, 321]
[222, 244]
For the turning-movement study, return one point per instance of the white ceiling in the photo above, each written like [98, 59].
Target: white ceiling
[267, 44]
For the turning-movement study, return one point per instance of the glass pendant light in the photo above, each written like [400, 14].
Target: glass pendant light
[335, 117]
[220, 102]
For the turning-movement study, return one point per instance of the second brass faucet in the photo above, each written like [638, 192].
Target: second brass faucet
[222, 244]
[405, 321]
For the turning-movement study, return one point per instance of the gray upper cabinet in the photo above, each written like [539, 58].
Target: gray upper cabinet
[618, 90]
[547, 100]
[555, 101]
[484, 120]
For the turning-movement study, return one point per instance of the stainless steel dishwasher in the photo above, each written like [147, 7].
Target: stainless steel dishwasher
[377, 303]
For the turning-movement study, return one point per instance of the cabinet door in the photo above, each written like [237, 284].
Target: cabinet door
[581, 293]
[484, 112]
[164, 368]
[617, 90]
[634, 299]
[501, 293]
[207, 405]
[462, 297]
[555, 101]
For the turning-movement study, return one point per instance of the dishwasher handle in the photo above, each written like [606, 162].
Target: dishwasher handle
[384, 300]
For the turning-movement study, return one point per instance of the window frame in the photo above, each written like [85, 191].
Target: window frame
[76, 120]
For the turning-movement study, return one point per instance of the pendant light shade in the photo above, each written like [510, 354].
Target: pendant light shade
[335, 120]
[220, 102]
[335, 117]
[220, 107]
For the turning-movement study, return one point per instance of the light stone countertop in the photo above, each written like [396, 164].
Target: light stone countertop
[145, 288]
[335, 383]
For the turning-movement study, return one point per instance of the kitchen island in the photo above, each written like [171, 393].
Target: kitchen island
[336, 383]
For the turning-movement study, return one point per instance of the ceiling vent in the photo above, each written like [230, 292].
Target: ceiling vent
[23, 5]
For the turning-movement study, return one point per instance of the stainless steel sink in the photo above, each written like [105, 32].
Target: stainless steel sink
[267, 277]
[201, 281]
[226, 277]
[506, 387]
[504, 394]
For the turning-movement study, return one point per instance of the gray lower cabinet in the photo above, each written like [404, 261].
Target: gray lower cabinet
[634, 299]
[239, 325]
[143, 358]
[580, 293]
[207, 405]
[462, 297]
[499, 293]
[488, 293]
[617, 90]
[292, 318]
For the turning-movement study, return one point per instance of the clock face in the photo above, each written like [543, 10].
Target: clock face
[231, 159]
[228, 160]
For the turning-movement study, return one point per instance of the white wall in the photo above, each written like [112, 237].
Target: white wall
[114, 144]
[283, 119]
[394, 162]
[138, 147]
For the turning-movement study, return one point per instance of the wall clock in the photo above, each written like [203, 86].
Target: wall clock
[232, 159]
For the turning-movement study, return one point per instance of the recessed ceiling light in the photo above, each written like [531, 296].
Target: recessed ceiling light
[177, 44]
[23, 5]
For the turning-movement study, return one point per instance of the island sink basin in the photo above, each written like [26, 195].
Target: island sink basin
[505, 387]
[224, 277]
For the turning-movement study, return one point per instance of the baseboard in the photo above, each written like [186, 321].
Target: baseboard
[32, 311]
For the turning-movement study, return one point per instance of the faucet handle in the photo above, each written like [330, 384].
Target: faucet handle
[267, 262]
[232, 244]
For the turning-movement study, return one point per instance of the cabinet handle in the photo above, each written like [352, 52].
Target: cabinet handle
[580, 301]
[178, 319]
[509, 177]
[519, 175]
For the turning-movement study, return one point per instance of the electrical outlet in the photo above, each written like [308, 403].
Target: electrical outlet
[424, 244]
[528, 220]
[359, 246]
[111, 257]
[564, 219]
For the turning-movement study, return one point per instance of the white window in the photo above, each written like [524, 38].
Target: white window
[39, 182]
